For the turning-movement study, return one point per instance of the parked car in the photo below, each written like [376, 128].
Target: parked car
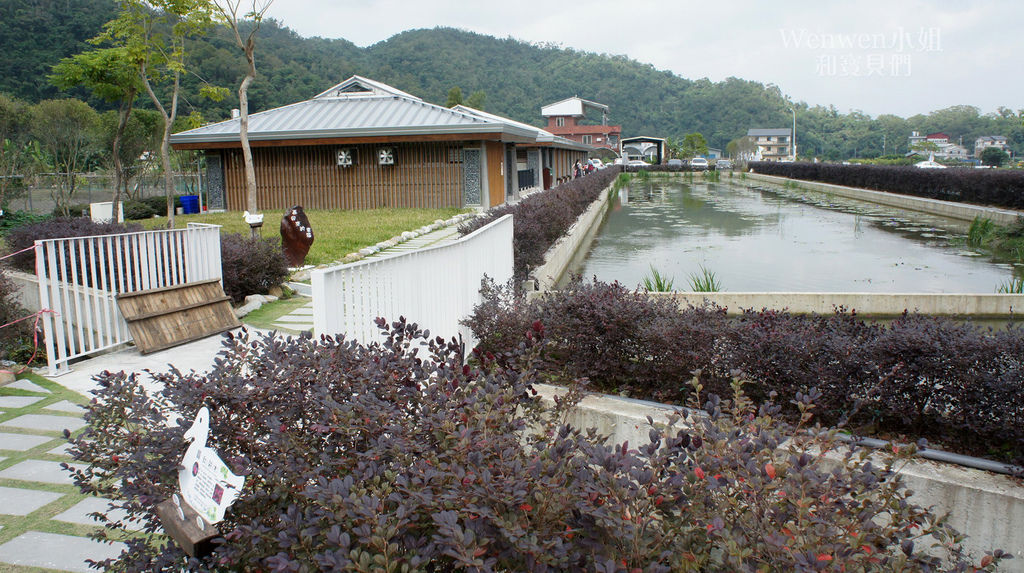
[597, 163]
[723, 165]
[637, 163]
[699, 164]
[675, 163]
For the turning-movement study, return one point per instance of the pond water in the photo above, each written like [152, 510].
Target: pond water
[772, 239]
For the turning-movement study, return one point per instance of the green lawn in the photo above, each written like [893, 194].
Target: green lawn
[337, 233]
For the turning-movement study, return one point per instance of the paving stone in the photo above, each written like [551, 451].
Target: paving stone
[80, 513]
[27, 385]
[21, 501]
[45, 422]
[20, 442]
[61, 450]
[10, 402]
[291, 318]
[66, 406]
[53, 551]
[38, 470]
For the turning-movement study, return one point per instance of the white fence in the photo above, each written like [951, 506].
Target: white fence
[434, 287]
[79, 278]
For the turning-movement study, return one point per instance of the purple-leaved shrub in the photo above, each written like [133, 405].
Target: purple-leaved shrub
[957, 385]
[251, 265]
[542, 218]
[1002, 188]
[398, 456]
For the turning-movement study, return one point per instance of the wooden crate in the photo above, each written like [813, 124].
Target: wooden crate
[165, 317]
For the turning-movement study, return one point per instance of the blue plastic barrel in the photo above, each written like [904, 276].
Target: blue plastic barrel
[190, 204]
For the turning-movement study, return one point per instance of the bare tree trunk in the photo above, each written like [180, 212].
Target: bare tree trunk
[165, 151]
[243, 131]
[122, 122]
[165, 145]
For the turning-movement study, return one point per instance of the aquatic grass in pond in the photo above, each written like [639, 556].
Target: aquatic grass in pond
[981, 229]
[657, 282]
[704, 281]
[1012, 286]
[622, 181]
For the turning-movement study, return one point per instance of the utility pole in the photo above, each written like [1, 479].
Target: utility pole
[794, 132]
[883, 144]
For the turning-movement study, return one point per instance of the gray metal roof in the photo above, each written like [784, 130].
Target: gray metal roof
[361, 114]
[755, 132]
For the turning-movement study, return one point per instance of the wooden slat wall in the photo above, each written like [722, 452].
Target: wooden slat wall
[424, 175]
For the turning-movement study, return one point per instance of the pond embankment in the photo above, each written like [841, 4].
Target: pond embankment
[961, 211]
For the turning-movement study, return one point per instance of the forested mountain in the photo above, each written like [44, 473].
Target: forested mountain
[517, 78]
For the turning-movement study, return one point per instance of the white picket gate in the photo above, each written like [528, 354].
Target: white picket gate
[80, 276]
[434, 287]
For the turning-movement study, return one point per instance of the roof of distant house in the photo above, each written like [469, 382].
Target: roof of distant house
[573, 106]
[938, 135]
[992, 138]
[760, 132]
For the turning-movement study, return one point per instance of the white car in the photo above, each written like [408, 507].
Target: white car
[637, 163]
[699, 164]
[597, 163]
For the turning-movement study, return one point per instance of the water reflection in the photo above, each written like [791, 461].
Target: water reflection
[756, 239]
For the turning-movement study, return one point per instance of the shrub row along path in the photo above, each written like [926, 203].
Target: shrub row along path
[44, 521]
[301, 318]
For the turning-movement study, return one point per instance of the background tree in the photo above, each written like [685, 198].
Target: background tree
[741, 148]
[672, 148]
[66, 130]
[15, 148]
[110, 75]
[693, 144]
[477, 100]
[454, 97]
[228, 11]
[154, 34]
[138, 140]
[994, 156]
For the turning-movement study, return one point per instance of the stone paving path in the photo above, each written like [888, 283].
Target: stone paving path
[44, 521]
[301, 319]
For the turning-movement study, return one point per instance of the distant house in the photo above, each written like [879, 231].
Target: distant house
[997, 141]
[362, 144]
[936, 144]
[772, 144]
[649, 149]
[568, 118]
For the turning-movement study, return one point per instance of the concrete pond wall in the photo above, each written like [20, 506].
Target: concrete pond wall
[988, 507]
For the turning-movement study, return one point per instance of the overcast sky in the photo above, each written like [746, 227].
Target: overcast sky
[894, 56]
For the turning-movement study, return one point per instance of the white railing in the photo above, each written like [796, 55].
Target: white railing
[79, 278]
[434, 287]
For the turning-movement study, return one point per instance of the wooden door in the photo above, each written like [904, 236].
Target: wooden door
[495, 173]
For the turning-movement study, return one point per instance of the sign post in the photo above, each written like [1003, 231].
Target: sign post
[207, 489]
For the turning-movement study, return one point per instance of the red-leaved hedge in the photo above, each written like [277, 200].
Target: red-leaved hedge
[998, 188]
